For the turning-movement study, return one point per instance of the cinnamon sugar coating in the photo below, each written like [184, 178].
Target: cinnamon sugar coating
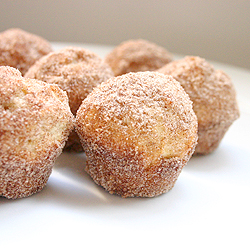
[213, 96]
[137, 55]
[35, 121]
[75, 70]
[138, 131]
[21, 49]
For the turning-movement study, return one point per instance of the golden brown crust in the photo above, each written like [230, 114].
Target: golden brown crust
[75, 70]
[127, 177]
[213, 96]
[20, 49]
[137, 55]
[35, 121]
[138, 131]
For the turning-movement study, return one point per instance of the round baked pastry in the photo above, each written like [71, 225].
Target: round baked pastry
[75, 70]
[213, 96]
[35, 121]
[20, 49]
[138, 131]
[137, 55]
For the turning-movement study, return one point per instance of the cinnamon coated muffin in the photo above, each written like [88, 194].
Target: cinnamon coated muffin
[21, 49]
[213, 96]
[138, 131]
[35, 121]
[75, 70]
[137, 55]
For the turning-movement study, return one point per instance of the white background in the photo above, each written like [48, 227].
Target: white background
[216, 30]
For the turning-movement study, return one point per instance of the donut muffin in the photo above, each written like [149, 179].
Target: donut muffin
[138, 131]
[75, 70]
[213, 96]
[20, 49]
[137, 55]
[35, 121]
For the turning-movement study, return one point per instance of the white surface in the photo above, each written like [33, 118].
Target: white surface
[208, 208]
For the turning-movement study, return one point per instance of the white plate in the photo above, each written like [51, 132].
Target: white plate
[207, 208]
